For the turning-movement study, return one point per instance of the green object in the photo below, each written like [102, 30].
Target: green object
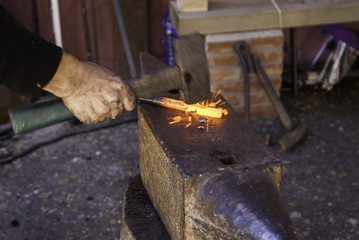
[39, 115]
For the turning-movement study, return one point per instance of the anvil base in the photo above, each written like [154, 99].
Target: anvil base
[139, 217]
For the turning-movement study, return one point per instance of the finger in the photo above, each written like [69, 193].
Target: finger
[117, 83]
[79, 112]
[116, 109]
[100, 109]
[125, 94]
[110, 96]
[129, 102]
[91, 110]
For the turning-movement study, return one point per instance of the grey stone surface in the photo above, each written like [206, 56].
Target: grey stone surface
[72, 189]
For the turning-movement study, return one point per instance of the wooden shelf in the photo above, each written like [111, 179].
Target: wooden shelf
[318, 12]
[225, 16]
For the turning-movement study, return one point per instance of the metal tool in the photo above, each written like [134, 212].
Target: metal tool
[86, 31]
[243, 53]
[251, 64]
[294, 136]
[271, 93]
[190, 77]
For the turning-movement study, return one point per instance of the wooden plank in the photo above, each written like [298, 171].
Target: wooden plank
[192, 5]
[236, 16]
[319, 12]
[226, 16]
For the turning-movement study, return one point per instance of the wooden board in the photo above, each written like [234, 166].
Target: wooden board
[226, 16]
[297, 13]
[235, 16]
[192, 5]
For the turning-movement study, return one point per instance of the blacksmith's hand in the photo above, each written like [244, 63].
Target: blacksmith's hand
[91, 92]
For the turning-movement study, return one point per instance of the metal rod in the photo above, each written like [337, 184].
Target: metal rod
[94, 31]
[86, 30]
[293, 46]
[56, 22]
[35, 17]
[243, 53]
[126, 44]
[271, 93]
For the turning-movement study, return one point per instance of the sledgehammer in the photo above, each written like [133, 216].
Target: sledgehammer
[190, 77]
[293, 136]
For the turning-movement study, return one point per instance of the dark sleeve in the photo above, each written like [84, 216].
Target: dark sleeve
[26, 61]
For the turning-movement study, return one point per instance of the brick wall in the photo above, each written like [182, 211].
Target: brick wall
[225, 73]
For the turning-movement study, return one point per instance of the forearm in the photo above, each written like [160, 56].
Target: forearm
[27, 62]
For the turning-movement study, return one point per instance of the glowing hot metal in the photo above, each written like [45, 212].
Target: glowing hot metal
[205, 108]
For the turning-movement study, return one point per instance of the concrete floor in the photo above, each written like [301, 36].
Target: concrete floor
[73, 189]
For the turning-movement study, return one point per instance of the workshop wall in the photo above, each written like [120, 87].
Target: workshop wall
[225, 73]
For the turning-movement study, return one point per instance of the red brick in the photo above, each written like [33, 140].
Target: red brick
[221, 47]
[263, 111]
[220, 61]
[224, 74]
[270, 56]
[228, 87]
[266, 42]
[234, 100]
[274, 70]
[255, 85]
[260, 97]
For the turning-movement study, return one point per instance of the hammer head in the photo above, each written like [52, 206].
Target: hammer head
[190, 76]
[192, 62]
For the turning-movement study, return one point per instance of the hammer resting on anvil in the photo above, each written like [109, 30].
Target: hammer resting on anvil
[190, 77]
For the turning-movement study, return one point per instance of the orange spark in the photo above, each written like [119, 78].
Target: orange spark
[203, 109]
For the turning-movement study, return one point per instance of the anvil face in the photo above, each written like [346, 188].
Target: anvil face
[200, 181]
[228, 143]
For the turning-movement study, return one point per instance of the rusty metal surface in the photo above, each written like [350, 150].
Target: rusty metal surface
[227, 145]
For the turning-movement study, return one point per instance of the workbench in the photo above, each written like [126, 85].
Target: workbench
[247, 15]
[228, 16]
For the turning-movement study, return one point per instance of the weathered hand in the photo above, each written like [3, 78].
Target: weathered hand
[91, 92]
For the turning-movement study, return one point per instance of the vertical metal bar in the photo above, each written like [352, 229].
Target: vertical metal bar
[293, 51]
[86, 31]
[126, 44]
[94, 30]
[244, 56]
[271, 93]
[35, 17]
[56, 22]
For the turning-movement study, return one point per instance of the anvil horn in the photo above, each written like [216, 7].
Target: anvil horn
[247, 205]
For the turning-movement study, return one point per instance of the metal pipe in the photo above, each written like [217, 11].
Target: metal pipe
[86, 31]
[293, 46]
[243, 53]
[272, 95]
[32, 117]
[94, 31]
[35, 17]
[56, 22]
[126, 44]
